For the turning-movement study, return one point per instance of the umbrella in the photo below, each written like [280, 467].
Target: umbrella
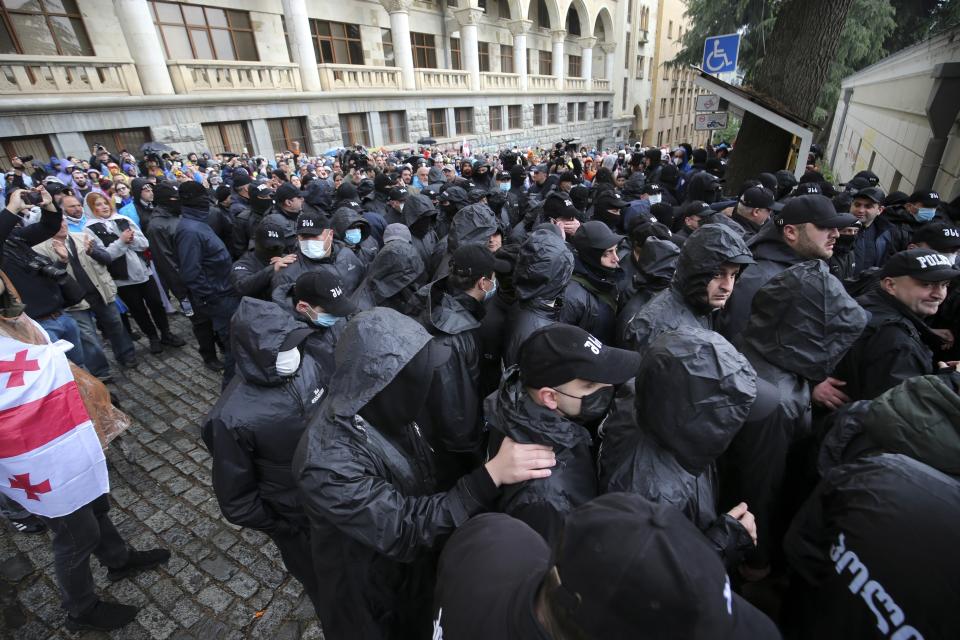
[157, 148]
[330, 153]
[427, 141]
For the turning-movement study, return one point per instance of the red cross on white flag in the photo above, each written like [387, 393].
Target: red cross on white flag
[51, 461]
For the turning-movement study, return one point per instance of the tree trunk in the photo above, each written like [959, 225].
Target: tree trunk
[795, 67]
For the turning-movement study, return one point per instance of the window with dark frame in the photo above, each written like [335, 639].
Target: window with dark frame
[204, 33]
[437, 122]
[43, 27]
[606, 109]
[582, 111]
[231, 137]
[538, 115]
[543, 15]
[496, 118]
[354, 129]
[571, 112]
[553, 113]
[336, 42]
[37, 146]
[506, 58]
[596, 110]
[285, 131]
[463, 120]
[456, 60]
[546, 63]
[393, 126]
[515, 116]
[386, 38]
[116, 140]
[574, 66]
[424, 50]
[483, 51]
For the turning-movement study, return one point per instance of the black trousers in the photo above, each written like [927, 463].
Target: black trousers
[146, 307]
[85, 532]
[295, 552]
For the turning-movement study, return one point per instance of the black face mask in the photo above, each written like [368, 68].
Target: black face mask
[260, 205]
[844, 245]
[593, 406]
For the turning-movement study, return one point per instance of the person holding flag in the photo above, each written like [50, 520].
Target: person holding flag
[52, 463]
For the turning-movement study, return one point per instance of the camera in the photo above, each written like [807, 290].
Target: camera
[32, 197]
[25, 159]
[20, 252]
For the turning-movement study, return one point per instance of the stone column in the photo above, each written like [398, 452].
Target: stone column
[519, 30]
[469, 43]
[399, 11]
[144, 45]
[586, 59]
[559, 36]
[609, 49]
[301, 43]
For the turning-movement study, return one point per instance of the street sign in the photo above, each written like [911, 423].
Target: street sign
[707, 102]
[710, 121]
[720, 53]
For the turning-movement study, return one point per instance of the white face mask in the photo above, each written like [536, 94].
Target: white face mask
[655, 199]
[313, 249]
[288, 362]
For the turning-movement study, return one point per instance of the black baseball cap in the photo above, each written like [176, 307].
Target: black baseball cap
[627, 564]
[926, 198]
[816, 209]
[871, 193]
[594, 234]
[869, 176]
[397, 193]
[559, 353]
[652, 189]
[241, 178]
[540, 168]
[324, 289]
[263, 191]
[287, 191]
[758, 198]
[809, 188]
[475, 261]
[938, 236]
[269, 236]
[310, 223]
[611, 200]
[558, 205]
[926, 265]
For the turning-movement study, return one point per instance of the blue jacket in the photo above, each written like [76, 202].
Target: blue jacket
[876, 243]
[205, 263]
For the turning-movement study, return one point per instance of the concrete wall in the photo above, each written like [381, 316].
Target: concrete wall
[885, 127]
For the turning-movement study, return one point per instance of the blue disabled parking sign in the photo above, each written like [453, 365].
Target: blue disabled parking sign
[720, 53]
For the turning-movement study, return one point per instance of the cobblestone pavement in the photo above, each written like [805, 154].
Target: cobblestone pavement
[222, 582]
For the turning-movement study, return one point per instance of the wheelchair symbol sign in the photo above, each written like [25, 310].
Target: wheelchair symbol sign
[720, 53]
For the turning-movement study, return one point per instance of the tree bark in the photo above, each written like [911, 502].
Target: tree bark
[804, 40]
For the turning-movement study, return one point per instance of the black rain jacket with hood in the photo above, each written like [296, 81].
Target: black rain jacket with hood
[370, 492]
[321, 342]
[344, 218]
[344, 263]
[474, 224]
[647, 277]
[544, 266]
[684, 304]
[392, 280]
[420, 214]
[668, 427]
[874, 547]
[542, 503]
[253, 429]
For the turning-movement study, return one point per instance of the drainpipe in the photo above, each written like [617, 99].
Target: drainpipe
[942, 109]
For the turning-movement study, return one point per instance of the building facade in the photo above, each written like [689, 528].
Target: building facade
[671, 113]
[257, 75]
[899, 119]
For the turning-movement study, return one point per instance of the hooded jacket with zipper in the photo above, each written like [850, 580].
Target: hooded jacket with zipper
[542, 503]
[684, 304]
[543, 269]
[128, 266]
[773, 255]
[668, 427]
[343, 219]
[643, 279]
[473, 224]
[370, 492]
[253, 429]
[896, 345]
[419, 214]
[454, 427]
[874, 547]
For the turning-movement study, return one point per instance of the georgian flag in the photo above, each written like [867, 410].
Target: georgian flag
[51, 461]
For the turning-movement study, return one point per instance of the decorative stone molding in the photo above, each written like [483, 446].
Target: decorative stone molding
[609, 47]
[588, 43]
[520, 27]
[468, 16]
[558, 35]
[397, 6]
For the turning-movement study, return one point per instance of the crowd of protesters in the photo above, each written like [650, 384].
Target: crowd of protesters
[556, 393]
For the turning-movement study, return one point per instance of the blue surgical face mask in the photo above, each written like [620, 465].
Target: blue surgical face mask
[925, 214]
[313, 249]
[489, 294]
[656, 198]
[353, 236]
[504, 186]
[325, 320]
